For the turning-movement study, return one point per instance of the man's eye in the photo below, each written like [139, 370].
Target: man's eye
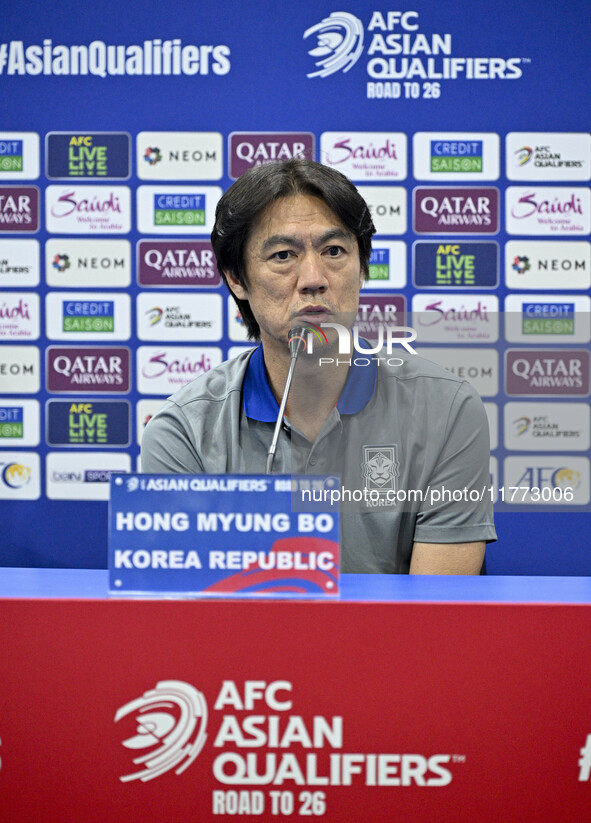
[282, 255]
[334, 251]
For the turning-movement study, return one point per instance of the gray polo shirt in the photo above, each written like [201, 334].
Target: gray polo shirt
[409, 440]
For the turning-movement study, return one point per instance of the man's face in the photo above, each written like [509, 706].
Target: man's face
[302, 266]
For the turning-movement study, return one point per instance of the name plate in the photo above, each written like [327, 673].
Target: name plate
[229, 535]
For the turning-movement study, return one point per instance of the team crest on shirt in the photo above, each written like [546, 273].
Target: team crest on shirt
[380, 468]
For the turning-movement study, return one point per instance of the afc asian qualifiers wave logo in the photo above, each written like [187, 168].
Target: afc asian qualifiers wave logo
[340, 43]
[172, 723]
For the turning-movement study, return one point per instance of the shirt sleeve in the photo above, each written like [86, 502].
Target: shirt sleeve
[167, 447]
[457, 507]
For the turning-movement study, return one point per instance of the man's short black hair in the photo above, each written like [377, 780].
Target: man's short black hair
[260, 186]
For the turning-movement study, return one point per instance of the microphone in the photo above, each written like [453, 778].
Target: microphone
[296, 341]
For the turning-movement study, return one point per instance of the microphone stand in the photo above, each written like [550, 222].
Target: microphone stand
[296, 343]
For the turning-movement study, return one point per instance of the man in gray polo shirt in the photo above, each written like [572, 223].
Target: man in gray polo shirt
[408, 439]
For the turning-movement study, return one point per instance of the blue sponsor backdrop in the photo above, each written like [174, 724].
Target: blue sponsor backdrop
[194, 67]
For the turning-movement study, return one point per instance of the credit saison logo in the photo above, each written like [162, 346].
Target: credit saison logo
[548, 318]
[379, 264]
[396, 50]
[179, 209]
[447, 156]
[19, 155]
[91, 155]
[11, 422]
[387, 265]
[456, 155]
[539, 318]
[88, 315]
[100, 59]
[11, 156]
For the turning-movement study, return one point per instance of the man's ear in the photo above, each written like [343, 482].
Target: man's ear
[235, 286]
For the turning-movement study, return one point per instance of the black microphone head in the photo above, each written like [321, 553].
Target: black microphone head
[297, 339]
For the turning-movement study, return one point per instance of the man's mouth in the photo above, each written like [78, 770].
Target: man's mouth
[314, 314]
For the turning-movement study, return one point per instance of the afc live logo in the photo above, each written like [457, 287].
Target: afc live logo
[91, 155]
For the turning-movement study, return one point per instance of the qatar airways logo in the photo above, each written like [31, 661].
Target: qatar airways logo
[455, 210]
[548, 210]
[88, 209]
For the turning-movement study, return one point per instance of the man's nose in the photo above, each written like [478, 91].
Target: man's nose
[311, 275]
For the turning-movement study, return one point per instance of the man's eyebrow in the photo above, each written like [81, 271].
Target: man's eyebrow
[281, 240]
[295, 242]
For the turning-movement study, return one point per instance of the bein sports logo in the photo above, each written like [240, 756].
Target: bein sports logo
[340, 43]
[171, 723]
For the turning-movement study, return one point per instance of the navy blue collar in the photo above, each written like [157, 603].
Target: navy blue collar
[260, 403]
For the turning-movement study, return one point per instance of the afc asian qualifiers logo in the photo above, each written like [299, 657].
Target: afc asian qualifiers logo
[171, 725]
[380, 468]
[340, 43]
